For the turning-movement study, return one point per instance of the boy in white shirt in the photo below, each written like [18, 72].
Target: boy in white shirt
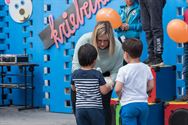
[133, 82]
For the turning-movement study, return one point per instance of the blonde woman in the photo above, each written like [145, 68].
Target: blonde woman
[109, 60]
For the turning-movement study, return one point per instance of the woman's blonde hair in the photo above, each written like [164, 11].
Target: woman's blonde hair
[104, 28]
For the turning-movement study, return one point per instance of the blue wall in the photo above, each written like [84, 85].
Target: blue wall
[22, 38]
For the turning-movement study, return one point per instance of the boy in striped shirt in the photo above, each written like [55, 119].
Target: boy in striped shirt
[89, 84]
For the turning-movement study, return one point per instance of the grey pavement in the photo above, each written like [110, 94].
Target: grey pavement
[11, 116]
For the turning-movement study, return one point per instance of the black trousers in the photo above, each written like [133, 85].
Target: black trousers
[151, 18]
[107, 109]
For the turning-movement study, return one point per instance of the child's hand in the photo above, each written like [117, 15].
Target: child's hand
[109, 82]
[124, 26]
[149, 92]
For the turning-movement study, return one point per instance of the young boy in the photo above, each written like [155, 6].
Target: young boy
[131, 23]
[133, 82]
[89, 84]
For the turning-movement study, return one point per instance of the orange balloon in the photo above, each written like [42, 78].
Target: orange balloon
[178, 31]
[109, 14]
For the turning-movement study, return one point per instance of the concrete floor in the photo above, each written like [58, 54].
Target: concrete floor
[11, 116]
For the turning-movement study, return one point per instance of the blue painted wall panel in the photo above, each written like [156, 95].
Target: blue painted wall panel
[23, 39]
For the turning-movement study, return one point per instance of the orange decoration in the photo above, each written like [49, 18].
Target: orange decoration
[109, 14]
[178, 31]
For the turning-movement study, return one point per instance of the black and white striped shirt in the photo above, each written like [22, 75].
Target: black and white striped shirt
[87, 83]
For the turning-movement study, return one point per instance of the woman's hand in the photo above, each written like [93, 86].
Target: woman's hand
[124, 26]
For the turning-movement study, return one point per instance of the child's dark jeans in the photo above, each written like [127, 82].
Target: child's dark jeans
[87, 116]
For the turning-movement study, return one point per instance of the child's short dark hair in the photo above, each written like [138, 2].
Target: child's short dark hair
[87, 54]
[133, 47]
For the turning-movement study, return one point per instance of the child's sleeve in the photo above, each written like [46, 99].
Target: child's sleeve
[101, 79]
[120, 80]
[120, 76]
[136, 26]
[121, 12]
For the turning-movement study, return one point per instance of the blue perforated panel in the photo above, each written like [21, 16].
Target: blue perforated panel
[173, 52]
[22, 38]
